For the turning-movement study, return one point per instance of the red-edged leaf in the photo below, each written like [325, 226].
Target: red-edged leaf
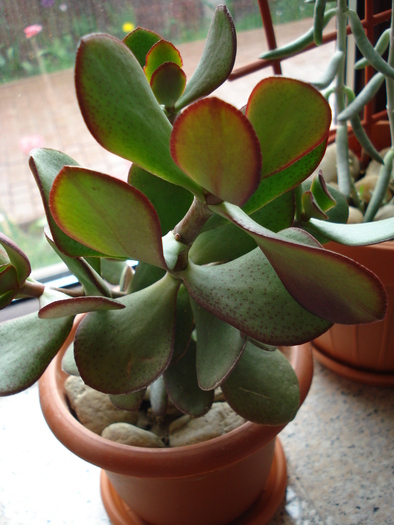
[107, 215]
[78, 305]
[160, 53]
[217, 147]
[168, 83]
[290, 118]
[120, 109]
[17, 258]
[330, 286]
[140, 41]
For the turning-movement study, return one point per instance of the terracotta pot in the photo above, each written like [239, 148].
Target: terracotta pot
[214, 481]
[364, 353]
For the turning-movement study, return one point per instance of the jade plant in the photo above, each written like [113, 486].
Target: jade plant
[214, 214]
[367, 195]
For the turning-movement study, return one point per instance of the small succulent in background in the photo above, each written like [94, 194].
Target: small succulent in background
[214, 213]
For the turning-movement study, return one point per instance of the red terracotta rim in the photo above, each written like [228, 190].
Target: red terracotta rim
[355, 374]
[125, 459]
[260, 513]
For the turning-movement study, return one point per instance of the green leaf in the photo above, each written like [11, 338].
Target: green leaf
[217, 59]
[131, 402]
[355, 234]
[248, 294]
[90, 280]
[285, 180]
[123, 351]
[145, 275]
[290, 118]
[78, 305]
[28, 344]
[330, 286]
[322, 194]
[311, 208]
[107, 215]
[45, 165]
[263, 388]
[112, 270]
[6, 299]
[168, 83]
[140, 41]
[8, 280]
[17, 257]
[184, 324]
[181, 384]
[219, 347]
[120, 109]
[159, 54]
[68, 362]
[217, 147]
[227, 242]
[170, 202]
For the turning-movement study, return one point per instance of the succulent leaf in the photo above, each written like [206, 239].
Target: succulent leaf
[184, 324]
[120, 109]
[217, 59]
[8, 280]
[145, 275]
[311, 208]
[181, 384]
[17, 257]
[140, 41]
[28, 344]
[261, 308]
[107, 215]
[170, 202]
[263, 387]
[168, 83]
[78, 305]
[131, 402]
[123, 351]
[68, 362]
[322, 194]
[328, 285]
[290, 118]
[159, 54]
[219, 347]
[45, 165]
[355, 234]
[217, 147]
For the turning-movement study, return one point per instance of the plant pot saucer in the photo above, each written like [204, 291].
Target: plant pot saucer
[259, 513]
[361, 376]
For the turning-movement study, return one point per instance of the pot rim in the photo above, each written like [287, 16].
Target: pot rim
[151, 462]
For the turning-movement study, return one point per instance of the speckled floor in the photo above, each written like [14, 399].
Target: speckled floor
[339, 449]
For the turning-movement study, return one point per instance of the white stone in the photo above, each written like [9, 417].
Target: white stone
[94, 409]
[130, 435]
[218, 421]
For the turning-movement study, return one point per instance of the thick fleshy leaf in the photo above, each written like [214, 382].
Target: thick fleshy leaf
[217, 59]
[28, 345]
[159, 54]
[78, 305]
[217, 147]
[68, 362]
[8, 280]
[45, 165]
[170, 202]
[6, 299]
[330, 286]
[107, 215]
[248, 294]
[311, 207]
[112, 270]
[227, 242]
[290, 118]
[184, 324]
[145, 275]
[181, 384]
[339, 213]
[219, 347]
[120, 109]
[285, 180]
[263, 387]
[355, 234]
[168, 83]
[131, 402]
[17, 257]
[90, 280]
[140, 41]
[123, 351]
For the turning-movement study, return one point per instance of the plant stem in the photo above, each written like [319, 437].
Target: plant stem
[187, 230]
[32, 289]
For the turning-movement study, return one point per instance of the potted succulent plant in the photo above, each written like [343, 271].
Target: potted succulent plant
[364, 353]
[214, 213]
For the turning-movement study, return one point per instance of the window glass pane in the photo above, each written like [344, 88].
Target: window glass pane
[38, 107]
